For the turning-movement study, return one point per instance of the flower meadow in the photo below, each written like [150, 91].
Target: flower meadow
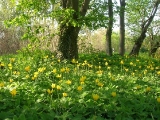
[39, 86]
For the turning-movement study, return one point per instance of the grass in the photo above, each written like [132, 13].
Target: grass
[96, 87]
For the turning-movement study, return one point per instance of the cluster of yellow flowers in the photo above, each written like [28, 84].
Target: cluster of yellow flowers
[100, 84]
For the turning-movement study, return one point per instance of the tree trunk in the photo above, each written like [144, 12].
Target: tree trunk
[109, 29]
[68, 42]
[122, 28]
[138, 44]
[69, 33]
[144, 27]
[154, 48]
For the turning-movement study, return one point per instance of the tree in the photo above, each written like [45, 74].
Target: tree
[122, 28]
[144, 26]
[154, 39]
[69, 33]
[69, 15]
[109, 29]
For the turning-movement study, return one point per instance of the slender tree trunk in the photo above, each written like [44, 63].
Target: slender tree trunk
[69, 33]
[122, 28]
[145, 25]
[109, 29]
[154, 46]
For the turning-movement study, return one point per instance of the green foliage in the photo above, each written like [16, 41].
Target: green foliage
[137, 12]
[40, 86]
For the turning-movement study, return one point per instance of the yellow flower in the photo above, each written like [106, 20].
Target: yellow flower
[133, 73]
[82, 79]
[95, 97]
[138, 87]
[89, 65]
[121, 62]
[10, 66]
[59, 76]
[158, 72]
[53, 85]
[81, 83]
[158, 100]
[68, 82]
[27, 68]
[145, 71]
[64, 94]
[62, 69]
[16, 73]
[113, 94]
[49, 91]
[12, 59]
[46, 56]
[27, 76]
[100, 84]
[97, 80]
[1, 84]
[126, 69]
[148, 89]
[74, 61]
[58, 87]
[108, 68]
[33, 78]
[79, 88]
[131, 63]
[99, 73]
[13, 92]
[54, 70]
[10, 80]
[41, 69]
[106, 63]
[59, 60]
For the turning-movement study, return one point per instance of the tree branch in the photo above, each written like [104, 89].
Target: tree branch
[84, 7]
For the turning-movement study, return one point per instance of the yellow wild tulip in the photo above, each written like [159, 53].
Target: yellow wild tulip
[95, 97]
[148, 89]
[53, 86]
[13, 92]
[158, 100]
[49, 91]
[27, 68]
[82, 79]
[113, 94]
[1, 84]
[79, 88]
[58, 87]
[64, 94]
[68, 82]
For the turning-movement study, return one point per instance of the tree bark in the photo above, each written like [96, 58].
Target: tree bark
[122, 28]
[68, 42]
[144, 27]
[153, 49]
[109, 29]
[69, 33]
[154, 45]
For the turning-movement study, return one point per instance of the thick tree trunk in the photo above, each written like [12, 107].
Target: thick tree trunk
[109, 30]
[122, 28]
[68, 42]
[144, 27]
